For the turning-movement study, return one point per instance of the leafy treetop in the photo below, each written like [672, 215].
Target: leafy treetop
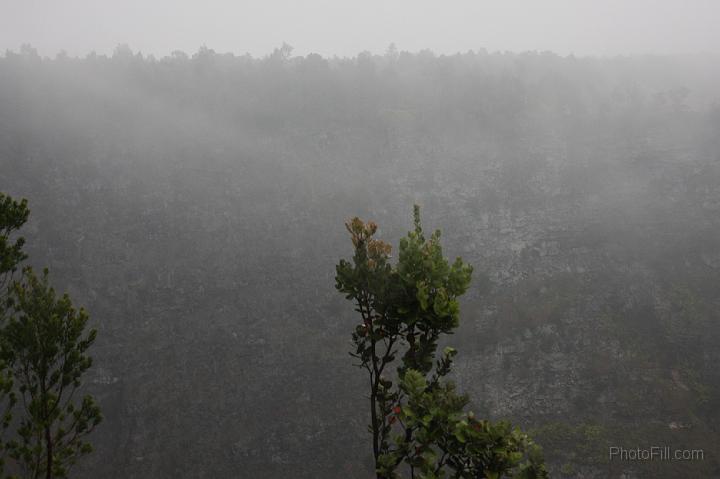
[405, 308]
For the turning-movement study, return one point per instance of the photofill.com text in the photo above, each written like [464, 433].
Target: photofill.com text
[655, 453]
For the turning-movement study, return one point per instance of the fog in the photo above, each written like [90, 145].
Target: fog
[193, 199]
[344, 28]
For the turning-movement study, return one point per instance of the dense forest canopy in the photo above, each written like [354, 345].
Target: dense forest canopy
[195, 205]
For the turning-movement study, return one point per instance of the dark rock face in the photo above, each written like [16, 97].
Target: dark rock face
[196, 208]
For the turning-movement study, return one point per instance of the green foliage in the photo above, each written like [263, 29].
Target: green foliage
[449, 440]
[45, 344]
[43, 354]
[405, 308]
[13, 214]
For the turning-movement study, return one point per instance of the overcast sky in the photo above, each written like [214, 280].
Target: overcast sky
[346, 27]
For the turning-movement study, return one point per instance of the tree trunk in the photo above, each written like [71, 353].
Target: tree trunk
[49, 448]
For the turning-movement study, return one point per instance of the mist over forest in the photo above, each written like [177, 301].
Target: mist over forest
[195, 205]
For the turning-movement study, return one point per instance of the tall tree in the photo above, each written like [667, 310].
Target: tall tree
[13, 214]
[405, 309]
[43, 354]
[45, 343]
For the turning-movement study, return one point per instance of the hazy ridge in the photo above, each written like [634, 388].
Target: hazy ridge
[195, 205]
